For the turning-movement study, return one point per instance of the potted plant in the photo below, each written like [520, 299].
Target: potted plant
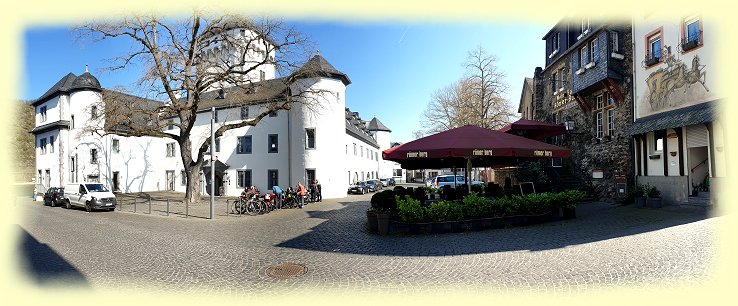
[385, 204]
[639, 195]
[654, 197]
[573, 197]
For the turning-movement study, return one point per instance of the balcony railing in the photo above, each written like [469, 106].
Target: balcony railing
[652, 59]
[691, 42]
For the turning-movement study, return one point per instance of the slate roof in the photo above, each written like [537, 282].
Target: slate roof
[376, 125]
[358, 128]
[319, 66]
[260, 92]
[69, 83]
[690, 115]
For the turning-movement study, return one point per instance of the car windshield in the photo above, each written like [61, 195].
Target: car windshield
[96, 188]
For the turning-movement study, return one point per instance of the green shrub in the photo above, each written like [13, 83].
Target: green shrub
[384, 201]
[474, 206]
[652, 192]
[478, 188]
[572, 198]
[410, 210]
[438, 211]
[455, 211]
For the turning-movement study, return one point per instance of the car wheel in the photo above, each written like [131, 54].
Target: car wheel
[88, 207]
[67, 204]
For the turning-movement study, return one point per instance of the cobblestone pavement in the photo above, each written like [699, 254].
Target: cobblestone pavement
[605, 246]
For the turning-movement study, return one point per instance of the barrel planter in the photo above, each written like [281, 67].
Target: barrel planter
[640, 201]
[383, 223]
[555, 214]
[371, 220]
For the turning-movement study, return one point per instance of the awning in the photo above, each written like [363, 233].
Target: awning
[690, 115]
[219, 166]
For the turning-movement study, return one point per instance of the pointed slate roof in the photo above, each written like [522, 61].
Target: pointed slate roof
[69, 83]
[376, 125]
[319, 66]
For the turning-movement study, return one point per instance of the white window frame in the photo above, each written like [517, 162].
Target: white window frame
[170, 149]
[614, 42]
[240, 148]
[42, 145]
[611, 122]
[51, 144]
[307, 139]
[43, 113]
[241, 175]
[115, 145]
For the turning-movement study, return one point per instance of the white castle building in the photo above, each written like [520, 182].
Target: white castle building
[333, 145]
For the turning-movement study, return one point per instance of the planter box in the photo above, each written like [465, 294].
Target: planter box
[486, 223]
[371, 220]
[520, 220]
[555, 215]
[438, 227]
[419, 228]
[654, 202]
[383, 224]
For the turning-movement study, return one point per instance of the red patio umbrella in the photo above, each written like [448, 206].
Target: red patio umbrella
[533, 129]
[470, 145]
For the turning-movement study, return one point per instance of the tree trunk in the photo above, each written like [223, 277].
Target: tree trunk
[192, 193]
[192, 170]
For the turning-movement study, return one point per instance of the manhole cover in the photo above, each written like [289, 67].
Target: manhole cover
[288, 270]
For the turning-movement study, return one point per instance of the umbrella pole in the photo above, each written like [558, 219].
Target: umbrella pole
[454, 177]
[468, 174]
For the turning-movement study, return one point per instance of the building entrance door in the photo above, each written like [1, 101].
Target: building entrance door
[170, 180]
[116, 181]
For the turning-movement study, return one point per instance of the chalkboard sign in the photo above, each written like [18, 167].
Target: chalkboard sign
[527, 188]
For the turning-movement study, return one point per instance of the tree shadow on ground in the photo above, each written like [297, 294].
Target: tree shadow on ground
[45, 266]
[344, 231]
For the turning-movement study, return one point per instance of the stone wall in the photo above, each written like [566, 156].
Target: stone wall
[613, 156]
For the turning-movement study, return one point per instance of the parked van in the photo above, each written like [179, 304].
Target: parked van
[444, 180]
[91, 196]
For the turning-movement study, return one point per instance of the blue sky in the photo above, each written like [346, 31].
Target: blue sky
[394, 66]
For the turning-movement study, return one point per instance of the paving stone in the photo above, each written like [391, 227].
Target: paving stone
[605, 245]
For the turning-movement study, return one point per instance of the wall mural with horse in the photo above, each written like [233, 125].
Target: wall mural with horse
[675, 85]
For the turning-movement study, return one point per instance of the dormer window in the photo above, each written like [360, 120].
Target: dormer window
[221, 94]
[93, 112]
[585, 25]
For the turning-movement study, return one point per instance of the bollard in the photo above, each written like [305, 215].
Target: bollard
[187, 209]
[149, 204]
[167, 207]
[135, 202]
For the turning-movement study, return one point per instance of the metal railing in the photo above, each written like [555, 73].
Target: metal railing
[163, 205]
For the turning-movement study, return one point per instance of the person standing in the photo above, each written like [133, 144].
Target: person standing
[319, 190]
[278, 196]
[301, 191]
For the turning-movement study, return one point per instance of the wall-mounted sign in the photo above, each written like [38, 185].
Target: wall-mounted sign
[417, 154]
[671, 135]
[598, 174]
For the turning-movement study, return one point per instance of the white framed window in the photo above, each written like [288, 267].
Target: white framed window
[116, 145]
[585, 25]
[243, 178]
[354, 149]
[361, 151]
[273, 144]
[71, 123]
[51, 144]
[584, 56]
[614, 42]
[93, 112]
[42, 145]
[611, 122]
[310, 138]
[555, 42]
[215, 116]
[43, 113]
[93, 156]
[244, 112]
[598, 124]
[244, 145]
[593, 50]
[170, 149]
[217, 145]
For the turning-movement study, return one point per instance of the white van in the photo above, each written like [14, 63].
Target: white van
[90, 196]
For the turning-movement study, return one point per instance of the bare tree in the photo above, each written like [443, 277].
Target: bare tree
[475, 99]
[187, 62]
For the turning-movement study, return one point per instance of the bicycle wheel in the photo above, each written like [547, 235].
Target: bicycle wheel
[237, 207]
[252, 209]
[262, 207]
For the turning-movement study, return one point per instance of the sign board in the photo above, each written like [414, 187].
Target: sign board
[598, 174]
[417, 154]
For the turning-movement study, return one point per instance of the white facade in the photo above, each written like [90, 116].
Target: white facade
[679, 140]
[311, 141]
